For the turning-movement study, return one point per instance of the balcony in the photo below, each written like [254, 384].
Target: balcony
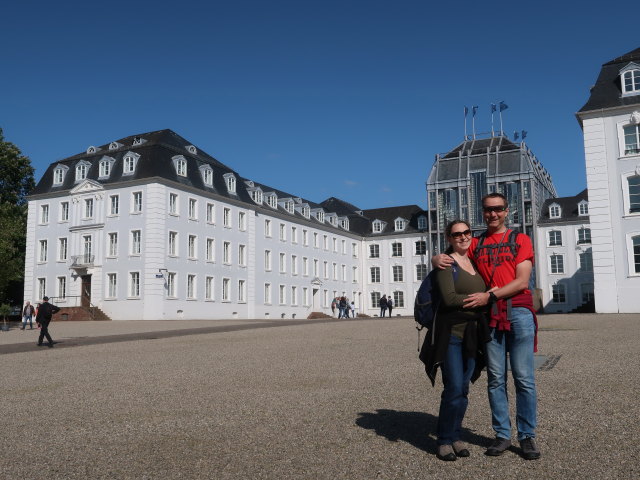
[82, 261]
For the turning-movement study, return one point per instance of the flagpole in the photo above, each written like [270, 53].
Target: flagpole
[465, 123]
[493, 109]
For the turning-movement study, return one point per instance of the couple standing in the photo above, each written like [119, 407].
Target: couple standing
[492, 270]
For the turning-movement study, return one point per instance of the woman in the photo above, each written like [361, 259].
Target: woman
[455, 343]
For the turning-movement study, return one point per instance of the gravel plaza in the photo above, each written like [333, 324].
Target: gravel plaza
[299, 399]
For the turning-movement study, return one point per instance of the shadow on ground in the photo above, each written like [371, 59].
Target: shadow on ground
[416, 428]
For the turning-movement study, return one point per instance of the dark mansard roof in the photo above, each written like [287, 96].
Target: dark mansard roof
[156, 150]
[568, 210]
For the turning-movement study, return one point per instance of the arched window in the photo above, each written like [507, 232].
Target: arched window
[631, 81]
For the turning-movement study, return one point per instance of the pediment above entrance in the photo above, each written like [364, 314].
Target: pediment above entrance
[87, 186]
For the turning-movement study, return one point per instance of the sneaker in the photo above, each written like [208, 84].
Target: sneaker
[529, 448]
[498, 447]
[445, 452]
[460, 449]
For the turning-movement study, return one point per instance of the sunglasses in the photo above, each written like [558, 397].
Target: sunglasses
[466, 233]
[493, 209]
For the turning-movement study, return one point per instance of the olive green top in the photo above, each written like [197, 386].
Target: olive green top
[453, 294]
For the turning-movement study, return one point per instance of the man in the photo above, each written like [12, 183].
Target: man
[506, 267]
[383, 305]
[390, 305]
[27, 315]
[45, 311]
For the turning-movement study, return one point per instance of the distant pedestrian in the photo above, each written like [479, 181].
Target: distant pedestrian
[383, 305]
[343, 308]
[45, 311]
[354, 312]
[390, 304]
[27, 315]
[333, 307]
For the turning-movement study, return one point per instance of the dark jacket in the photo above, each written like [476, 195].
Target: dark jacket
[383, 302]
[45, 311]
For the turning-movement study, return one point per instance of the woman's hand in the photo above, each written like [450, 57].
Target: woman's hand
[476, 300]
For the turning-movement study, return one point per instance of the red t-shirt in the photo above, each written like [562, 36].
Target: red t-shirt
[505, 264]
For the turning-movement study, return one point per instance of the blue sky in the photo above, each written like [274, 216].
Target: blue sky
[350, 99]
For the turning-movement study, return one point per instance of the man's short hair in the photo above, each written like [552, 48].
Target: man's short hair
[496, 195]
[45, 298]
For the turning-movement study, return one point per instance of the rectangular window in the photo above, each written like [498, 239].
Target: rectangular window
[112, 285]
[421, 272]
[375, 299]
[398, 299]
[354, 274]
[283, 232]
[193, 209]
[87, 241]
[114, 204]
[113, 245]
[305, 238]
[354, 250]
[584, 236]
[334, 270]
[396, 249]
[171, 285]
[282, 297]
[294, 295]
[305, 296]
[42, 287]
[334, 241]
[325, 269]
[136, 242]
[283, 263]
[62, 249]
[226, 217]
[267, 228]
[242, 255]
[294, 264]
[105, 169]
[343, 269]
[44, 214]
[192, 246]
[226, 252]
[586, 261]
[208, 288]
[315, 240]
[375, 274]
[88, 208]
[43, 251]
[294, 235]
[137, 202]
[636, 253]
[211, 213]
[64, 211]
[557, 263]
[134, 284]
[325, 242]
[305, 266]
[173, 244]
[374, 251]
[587, 292]
[398, 274]
[62, 288]
[315, 267]
[242, 221]
[191, 287]
[344, 247]
[559, 293]
[631, 139]
[241, 291]
[555, 238]
[421, 247]
[173, 204]
[210, 252]
[267, 260]
[267, 293]
[225, 289]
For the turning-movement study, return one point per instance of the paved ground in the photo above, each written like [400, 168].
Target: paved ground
[298, 399]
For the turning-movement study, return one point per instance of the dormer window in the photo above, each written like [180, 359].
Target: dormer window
[114, 145]
[583, 208]
[333, 219]
[319, 214]
[105, 165]
[256, 195]
[272, 200]
[249, 183]
[129, 163]
[288, 206]
[180, 164]
[138, 141]
[400, 224]
[82, 169]
[422, 222]
[58, 174]
[377, 226]
[305, 211]
[344, 223]
[554, 210]
[207, 175]
[630, 76]
[92, 149]
[230, 181]
[192, 149]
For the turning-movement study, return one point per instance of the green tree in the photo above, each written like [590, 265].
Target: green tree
[16, 182]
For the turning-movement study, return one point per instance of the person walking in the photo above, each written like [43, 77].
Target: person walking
[342, 308]
[383, 305]
[45, 312]
[390, 305]
[456, 340]
[354, 313]
[504, 259]
[27, 315]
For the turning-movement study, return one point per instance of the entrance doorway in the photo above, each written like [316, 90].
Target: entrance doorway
[85, 291]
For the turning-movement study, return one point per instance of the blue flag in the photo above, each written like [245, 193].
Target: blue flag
[524, 134]
[503, 106]
[466, 111]
[515, 135]
[493, 107]
[474, 110]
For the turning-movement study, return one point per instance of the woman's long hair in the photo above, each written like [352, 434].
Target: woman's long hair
[447, 232]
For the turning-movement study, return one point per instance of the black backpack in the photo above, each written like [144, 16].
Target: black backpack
[494, 247]
[425, 308]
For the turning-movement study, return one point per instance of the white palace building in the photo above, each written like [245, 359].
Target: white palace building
[149, 227]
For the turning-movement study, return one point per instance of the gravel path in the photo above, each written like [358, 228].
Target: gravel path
[298, 400]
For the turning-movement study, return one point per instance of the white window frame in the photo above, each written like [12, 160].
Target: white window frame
[172, 284]
[64, 211]
[397, 250]
[580, 255]
[112, 286]
[267, 228]
[134, 284]
[63, 249]
[551, 263]
[136, 243]
[374, 274]
[242, 255]
[193, 209]
[114, 205]
[230, 182]
[630, 254]
[583, 208]
[563, 288]
[129, 163]
[226, 292]
[242, 221]
[242, 291]
[267, 294]
[172, 247]
[210, 251]
[191, 286]
[555, 211]
[112, 244]
[62, 288]
[226, 253]
[267, 261]
[136, 202]
[44, 214]
[398, 273]
[550, 237]
[82, 169]
[226, 217]
[626, 199]
[209, 288]
[88, 211]
[192, 247]
[173, 208]
[43, 251]
[211, 213]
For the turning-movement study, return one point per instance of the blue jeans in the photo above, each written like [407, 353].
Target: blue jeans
[456, 374]
[519, 344]
[25, 319]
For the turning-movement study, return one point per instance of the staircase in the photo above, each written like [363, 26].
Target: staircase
[588, 307]
[80, 314]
